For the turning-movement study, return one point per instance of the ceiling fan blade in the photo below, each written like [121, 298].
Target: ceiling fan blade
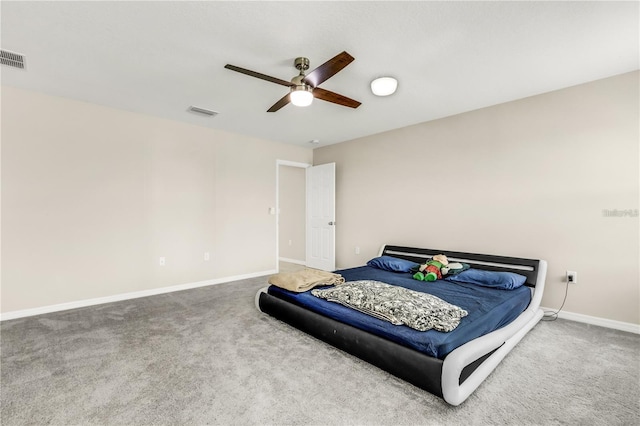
[329, 96]
[258, 75]
[328, 69]
[282, 102]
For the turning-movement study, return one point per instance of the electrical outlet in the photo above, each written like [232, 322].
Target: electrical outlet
[572, 277]
[162, 261]
[290, 242]
[206, 256]
[357, 250]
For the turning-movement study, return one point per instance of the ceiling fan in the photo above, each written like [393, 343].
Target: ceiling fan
[303, 88]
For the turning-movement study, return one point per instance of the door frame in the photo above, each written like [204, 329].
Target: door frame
[277, 212]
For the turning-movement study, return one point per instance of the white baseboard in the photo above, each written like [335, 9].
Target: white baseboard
[602, 322]
[297, 262]
[126, 296]
[587, 319]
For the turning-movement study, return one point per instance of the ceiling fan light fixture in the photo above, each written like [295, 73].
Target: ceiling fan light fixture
[301, 95]
[384, 86]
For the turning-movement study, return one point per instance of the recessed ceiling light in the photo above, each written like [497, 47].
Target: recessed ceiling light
[384, 86]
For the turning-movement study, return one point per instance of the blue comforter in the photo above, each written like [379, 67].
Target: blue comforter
[489, 309]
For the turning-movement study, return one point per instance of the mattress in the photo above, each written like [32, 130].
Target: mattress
[488, 309]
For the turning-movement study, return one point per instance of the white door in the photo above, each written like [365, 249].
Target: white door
[321, 212]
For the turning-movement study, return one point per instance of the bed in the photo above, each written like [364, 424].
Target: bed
[450, 365]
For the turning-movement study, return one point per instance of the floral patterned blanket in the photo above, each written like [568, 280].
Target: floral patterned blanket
[398, 305]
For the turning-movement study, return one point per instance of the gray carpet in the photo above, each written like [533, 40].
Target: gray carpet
[207, 356]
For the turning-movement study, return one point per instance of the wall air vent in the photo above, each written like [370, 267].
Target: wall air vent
[203, 111]
[11, 59]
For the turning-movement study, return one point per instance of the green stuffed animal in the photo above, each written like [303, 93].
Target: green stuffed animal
[432, 270]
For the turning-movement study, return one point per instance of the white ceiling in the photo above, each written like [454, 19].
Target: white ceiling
[159, 58]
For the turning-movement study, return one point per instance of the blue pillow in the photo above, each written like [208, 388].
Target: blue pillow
[392, 264]
[493, 279]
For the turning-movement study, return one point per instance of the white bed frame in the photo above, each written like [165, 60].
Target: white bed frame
[462, 370]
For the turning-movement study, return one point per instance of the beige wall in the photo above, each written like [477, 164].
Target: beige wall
[292, 213]
[93, 196]
[528, 178]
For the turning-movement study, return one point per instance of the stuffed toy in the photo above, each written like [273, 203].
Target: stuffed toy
[432, 270]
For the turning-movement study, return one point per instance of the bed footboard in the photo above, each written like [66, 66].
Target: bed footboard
[412, 366]
[455, 391]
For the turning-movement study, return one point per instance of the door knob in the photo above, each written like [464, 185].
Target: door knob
[332, 223]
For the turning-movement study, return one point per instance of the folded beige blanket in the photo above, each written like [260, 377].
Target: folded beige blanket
[305, 279]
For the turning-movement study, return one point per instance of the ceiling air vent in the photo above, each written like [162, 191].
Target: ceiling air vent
[203, 111]
[11, 59]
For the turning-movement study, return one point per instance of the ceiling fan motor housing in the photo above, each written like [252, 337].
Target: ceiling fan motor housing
[301, 87]
[298, 82]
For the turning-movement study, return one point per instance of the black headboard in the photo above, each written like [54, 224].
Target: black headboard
[526, 267]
